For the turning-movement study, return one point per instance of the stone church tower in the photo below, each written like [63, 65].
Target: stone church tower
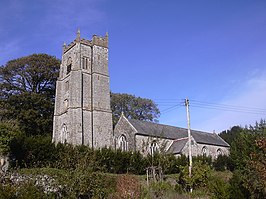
[82, 112]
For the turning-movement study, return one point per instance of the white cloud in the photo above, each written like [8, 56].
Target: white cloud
[250, 94]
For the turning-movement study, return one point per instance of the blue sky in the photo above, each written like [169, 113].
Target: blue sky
[213, 52]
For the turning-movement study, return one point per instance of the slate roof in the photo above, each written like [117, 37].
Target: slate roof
[177, 146]
[171, 132]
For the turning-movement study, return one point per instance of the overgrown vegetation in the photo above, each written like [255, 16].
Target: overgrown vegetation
[246, 165]
[26, 108]
[76, 166]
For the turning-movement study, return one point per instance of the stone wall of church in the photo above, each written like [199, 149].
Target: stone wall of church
[123, 127]
[82, 105]
[102, 129]
[143, 144]
[208, 150]
[102, 114]
[87, 92]
[101, 93]
[100, 60]
[74, 126]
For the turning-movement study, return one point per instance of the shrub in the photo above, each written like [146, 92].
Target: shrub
[218, 188]
[8, 131]
[137, 164]
[39, 151]
[203, 159]
[31, 152]
[222, 163]
[199, 176]
[7, 191]
[89, 185]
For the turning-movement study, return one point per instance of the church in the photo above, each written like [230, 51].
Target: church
[83, 116]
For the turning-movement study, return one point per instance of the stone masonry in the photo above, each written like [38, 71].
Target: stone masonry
[82, 112]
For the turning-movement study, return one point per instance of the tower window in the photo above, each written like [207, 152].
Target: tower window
[85, 63]
[69, 64]
[64, 133]
[68, 68]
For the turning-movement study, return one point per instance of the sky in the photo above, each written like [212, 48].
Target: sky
[212, 52]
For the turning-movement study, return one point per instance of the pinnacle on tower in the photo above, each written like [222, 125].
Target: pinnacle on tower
[82, 104]
[78, 35]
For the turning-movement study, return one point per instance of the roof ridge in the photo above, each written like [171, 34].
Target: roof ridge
[167, 125]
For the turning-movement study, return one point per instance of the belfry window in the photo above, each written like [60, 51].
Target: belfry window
[85, 63]
[68, 68]
[154, 148]
[69, 65]
[123, 143]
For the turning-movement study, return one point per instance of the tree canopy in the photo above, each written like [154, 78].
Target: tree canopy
[230, 135]
[27, 92]
[133, 107]
[36, 73]
[247, 153]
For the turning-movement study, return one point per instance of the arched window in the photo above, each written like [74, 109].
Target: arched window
[123, 143]
[219, 152]
[204, 151]
[64, 133]
[154, 147]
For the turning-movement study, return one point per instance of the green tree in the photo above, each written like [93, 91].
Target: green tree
[8, 131]
[133, 107]
[34, 112]
[248, 155]
[199, 177]
[230, 135]
[27, 92]
[35, 73]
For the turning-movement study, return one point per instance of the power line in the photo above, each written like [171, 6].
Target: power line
[227, 109]
[171, 108]
[224, 107]
[208, 105]
[227, 106]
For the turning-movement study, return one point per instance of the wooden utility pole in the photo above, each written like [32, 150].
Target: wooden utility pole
[189, 140]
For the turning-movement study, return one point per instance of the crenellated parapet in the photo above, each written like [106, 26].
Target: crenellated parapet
[69, 46]
[100, 41]
[96, 40]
